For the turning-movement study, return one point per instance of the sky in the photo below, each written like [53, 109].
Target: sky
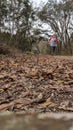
[38, 2]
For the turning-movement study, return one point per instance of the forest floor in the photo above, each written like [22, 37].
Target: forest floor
[40, 83]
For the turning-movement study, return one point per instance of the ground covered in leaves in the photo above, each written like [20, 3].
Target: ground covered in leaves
[38, 83]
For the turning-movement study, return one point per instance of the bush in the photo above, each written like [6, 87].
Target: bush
[4, 49]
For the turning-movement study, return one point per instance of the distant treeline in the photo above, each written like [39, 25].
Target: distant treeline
[20, 26]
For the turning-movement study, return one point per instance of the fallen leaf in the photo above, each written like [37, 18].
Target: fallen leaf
[50, 104]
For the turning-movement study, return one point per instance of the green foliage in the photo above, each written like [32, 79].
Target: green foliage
[19, 16]
[4, 37]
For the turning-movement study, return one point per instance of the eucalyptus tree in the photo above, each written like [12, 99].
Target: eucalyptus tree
[24, 22]
[17, 17]
[59, 16]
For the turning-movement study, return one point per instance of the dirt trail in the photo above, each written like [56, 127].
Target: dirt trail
[38, 83]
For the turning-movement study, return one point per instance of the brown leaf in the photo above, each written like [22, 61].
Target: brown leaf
[25, 93]
[48, 103]
[4, 107]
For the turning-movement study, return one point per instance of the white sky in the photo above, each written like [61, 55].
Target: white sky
[38, 2]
